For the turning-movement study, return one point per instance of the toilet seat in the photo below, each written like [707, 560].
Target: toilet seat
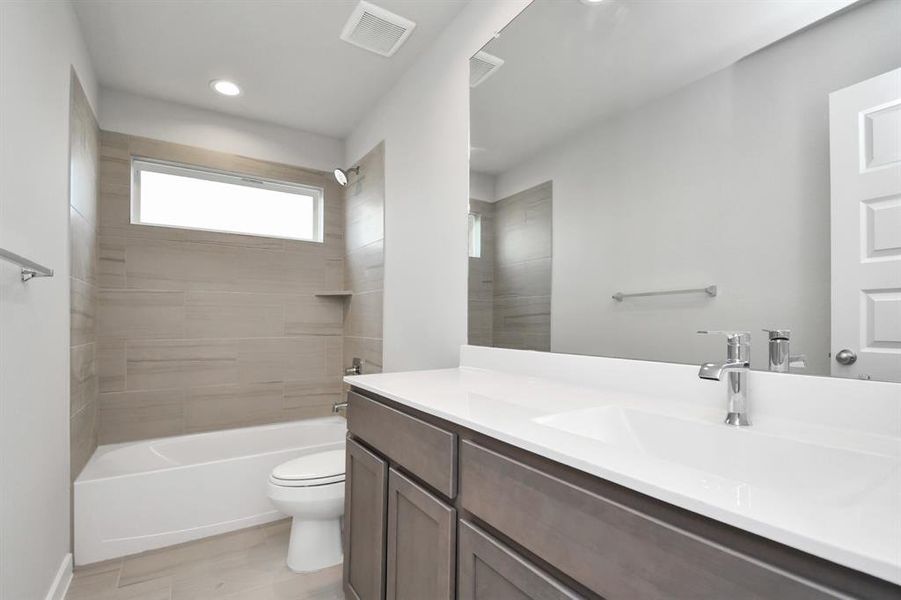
[317, 469]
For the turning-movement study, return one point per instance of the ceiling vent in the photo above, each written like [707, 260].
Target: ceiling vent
[375, 29]
[482, 66]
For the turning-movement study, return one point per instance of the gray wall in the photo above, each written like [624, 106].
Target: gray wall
[201, 331]
[84, 155]
[364, 198]
[724, 182]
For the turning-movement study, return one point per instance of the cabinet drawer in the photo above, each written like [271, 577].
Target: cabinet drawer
[612, 549]
[489, 570]
[421, 448]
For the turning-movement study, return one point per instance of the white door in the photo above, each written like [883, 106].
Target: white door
[865, 158]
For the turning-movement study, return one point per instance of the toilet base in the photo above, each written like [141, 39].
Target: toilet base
[314, 545]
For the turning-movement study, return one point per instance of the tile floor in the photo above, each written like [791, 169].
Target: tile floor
[242, 565]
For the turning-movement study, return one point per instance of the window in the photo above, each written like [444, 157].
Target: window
[475, 235]
[170, 195]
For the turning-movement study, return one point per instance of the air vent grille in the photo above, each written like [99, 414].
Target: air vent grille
[375, 29]
[482, 66]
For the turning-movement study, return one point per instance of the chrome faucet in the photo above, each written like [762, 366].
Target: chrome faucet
[736, 366]
[355, 368]
[781, 360]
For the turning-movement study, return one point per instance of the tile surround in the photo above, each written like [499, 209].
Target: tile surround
[198, 331]
[364, 263]
[84, 152]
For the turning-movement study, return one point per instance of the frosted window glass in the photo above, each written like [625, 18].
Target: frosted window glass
[176, 200]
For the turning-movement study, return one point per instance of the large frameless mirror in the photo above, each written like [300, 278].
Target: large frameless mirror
[642, 170]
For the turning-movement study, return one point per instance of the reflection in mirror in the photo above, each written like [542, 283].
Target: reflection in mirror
[645, 170]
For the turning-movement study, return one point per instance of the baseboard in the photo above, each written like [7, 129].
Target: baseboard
[63, 578]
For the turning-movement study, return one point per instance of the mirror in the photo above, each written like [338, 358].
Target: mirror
[644, 170]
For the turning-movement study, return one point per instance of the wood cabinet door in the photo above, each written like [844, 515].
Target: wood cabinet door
[489, 570]
[421, 543]
[365, 507]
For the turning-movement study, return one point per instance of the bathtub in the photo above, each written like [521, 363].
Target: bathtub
[143, 495]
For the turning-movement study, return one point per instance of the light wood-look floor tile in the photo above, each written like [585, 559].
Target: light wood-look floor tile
[242, 565]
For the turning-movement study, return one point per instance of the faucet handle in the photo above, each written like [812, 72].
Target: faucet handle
[733, 337]
[779, 334]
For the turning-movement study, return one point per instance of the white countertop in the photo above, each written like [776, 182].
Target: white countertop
[831, 487]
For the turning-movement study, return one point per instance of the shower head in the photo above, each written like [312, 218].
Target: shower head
[341, 175]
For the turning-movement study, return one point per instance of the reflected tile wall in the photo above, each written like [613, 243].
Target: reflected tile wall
[522, 270]
[481, 278]
[510, 283]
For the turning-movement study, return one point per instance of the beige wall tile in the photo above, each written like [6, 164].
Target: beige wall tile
[282, 359]
[364, 315]
[82, 438]
[224, 406]
[312, 315]
[364, 201]
[83, 244]
[187, 311]
[111, 364]
[170, 265]
[126, 416]
[232, 314]
[365, 267]
[174, 364]
[523, 323]
[111, 262]
[83, 312]
[325, 391]
[529, 278]
[83, 383]
[370, 350]
[138, 314]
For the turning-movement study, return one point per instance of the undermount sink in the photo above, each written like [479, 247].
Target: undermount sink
[831, 475]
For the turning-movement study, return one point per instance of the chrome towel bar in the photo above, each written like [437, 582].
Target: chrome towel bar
[29, 268]
[710, 290]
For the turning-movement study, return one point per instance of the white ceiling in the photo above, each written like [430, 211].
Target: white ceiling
[286, 55]
[569, 64]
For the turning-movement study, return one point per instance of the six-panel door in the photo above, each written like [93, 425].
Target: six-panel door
[365, 508]
[421, 543]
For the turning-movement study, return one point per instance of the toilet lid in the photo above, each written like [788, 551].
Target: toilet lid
[318, 468]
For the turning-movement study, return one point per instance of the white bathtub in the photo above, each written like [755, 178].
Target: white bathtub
[142, 495]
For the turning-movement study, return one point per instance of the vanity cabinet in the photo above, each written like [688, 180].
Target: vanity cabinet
[436, 511]
[489, 570]
[365, 512]
[421, 542]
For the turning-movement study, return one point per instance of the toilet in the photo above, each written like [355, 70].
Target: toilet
[310, 489]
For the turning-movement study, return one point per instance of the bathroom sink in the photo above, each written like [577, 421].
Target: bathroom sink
[831, 475]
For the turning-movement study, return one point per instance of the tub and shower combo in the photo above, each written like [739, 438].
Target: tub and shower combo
[138, 496]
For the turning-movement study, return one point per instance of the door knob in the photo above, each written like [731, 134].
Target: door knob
[846, 357]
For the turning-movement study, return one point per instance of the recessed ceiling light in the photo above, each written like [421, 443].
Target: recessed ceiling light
[225, 87]
[591, 2]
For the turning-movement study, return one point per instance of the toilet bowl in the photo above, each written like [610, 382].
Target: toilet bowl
[310, 490]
